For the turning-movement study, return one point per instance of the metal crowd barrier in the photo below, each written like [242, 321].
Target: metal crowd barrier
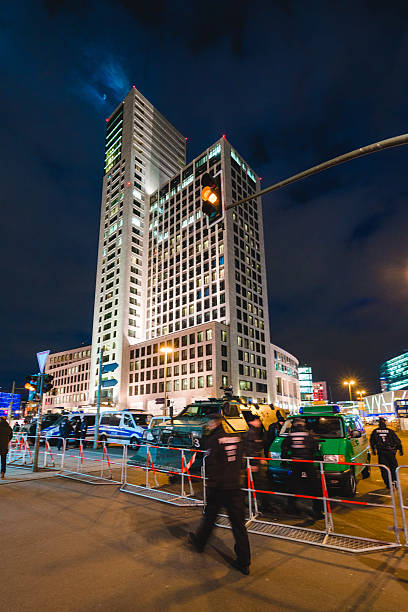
[182, 472]
[403, 505]
[326, 537]
[89, 468]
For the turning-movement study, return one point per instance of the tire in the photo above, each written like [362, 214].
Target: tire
[349, 484]
[134, 443]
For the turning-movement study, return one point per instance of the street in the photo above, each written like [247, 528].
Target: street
[81, 547]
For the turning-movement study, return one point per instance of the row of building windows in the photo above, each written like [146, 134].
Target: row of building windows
[201, 382]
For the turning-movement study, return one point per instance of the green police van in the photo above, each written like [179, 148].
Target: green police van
[341, 437]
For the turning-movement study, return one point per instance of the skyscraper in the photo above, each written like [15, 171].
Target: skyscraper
[142, 151]
[168, 279]
[198, 275]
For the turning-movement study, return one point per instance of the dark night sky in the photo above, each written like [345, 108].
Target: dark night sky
[291, 84]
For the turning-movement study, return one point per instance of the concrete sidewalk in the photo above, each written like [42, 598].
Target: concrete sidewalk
[15, 473]
[68, 546]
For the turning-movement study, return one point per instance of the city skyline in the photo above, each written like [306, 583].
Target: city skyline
[333, 243]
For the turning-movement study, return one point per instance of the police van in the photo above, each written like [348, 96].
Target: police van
[341, 438]
[52, 433]
[121, 427]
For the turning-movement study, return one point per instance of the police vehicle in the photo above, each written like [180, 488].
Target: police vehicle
[52, 432]
[121, 427]
[188, 429]
[341, 438]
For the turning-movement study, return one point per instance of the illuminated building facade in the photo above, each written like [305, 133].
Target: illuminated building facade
[320, 391]
[306, 383]
[286, 379]
[394, 373]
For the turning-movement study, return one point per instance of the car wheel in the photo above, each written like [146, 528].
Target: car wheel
[134, 443]
[350, 484]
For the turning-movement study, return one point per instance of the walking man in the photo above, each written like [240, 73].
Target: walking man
[301, 444]
[223, 471]
[6, 434]
[385, 442]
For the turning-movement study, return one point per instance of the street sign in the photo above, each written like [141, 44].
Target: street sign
[109, 383]
[42, 359]
[109, 367]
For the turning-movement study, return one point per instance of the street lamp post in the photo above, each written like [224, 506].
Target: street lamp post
[349, 384]
[360, 394]
[166, 350]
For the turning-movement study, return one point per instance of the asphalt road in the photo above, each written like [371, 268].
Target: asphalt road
[69, 546]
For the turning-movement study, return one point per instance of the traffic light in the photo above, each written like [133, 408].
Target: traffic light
[31, 382]
[47, 383]
[211, 197]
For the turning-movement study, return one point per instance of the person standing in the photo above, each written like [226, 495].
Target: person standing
[77, 432]
[253, 447]
[83, 430]
[385, 442]
[223, 470]
[301, 444]
[6, 434]
[273, 431]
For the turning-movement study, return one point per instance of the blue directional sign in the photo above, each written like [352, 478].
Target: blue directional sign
[109, 367]
[109, 383]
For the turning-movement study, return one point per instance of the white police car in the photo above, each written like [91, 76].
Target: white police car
[121, 427]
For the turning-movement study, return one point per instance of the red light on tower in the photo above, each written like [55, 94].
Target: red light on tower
[134, 86]
[186, 138]
[128, 183]
[107, 120]
[224, 136]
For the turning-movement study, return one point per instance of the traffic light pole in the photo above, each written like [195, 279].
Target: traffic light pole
[396, 141]
[98, 401]
[39, 418]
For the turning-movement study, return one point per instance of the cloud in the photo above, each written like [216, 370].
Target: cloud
[369, 226]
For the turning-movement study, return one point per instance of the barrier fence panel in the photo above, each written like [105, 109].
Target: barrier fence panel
[91, 466]
[19, 453]
[403, 504]
[323, 504]
[165, 474]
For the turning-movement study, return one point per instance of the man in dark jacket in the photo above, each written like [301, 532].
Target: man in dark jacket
[6, 434]
[223, 471]
[65, 430]
[385, 442]
[273, 431]
[83, 430]
[253, 447]
[301, 444]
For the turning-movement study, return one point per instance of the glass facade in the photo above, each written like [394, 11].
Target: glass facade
[394, 373]
[305, 383]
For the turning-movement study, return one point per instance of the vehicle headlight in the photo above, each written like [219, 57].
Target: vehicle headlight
[275, 455]
[333, 458]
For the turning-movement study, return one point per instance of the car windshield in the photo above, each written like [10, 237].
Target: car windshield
[141, 419]
[199, 410]
[321, 426]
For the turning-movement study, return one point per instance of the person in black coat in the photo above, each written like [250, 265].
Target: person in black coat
[254, 447]
[83, 430]
[6, 434]
[273, 431]
[223, 470]
[385, 442]
[302, 444]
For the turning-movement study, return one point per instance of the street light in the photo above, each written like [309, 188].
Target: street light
[361, 393]
[349, 383]
[166, 350]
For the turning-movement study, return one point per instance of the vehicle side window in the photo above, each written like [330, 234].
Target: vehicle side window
[349, 428]
[105, 419]
[114, 420]
[90, 419]
[127, 421]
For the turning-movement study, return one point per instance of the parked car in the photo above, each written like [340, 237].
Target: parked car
[341, 437]
[121, 427]
[52, 432]
[31, 428]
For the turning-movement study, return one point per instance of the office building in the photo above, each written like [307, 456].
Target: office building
[305, 383]
[286, 379]
[70, 370]
[142, 151]
[394, 373]
[320, 391]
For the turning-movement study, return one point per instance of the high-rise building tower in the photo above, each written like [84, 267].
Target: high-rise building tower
[142, 151]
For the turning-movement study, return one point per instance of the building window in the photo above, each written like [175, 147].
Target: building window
[200, 382]
[209, 380]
